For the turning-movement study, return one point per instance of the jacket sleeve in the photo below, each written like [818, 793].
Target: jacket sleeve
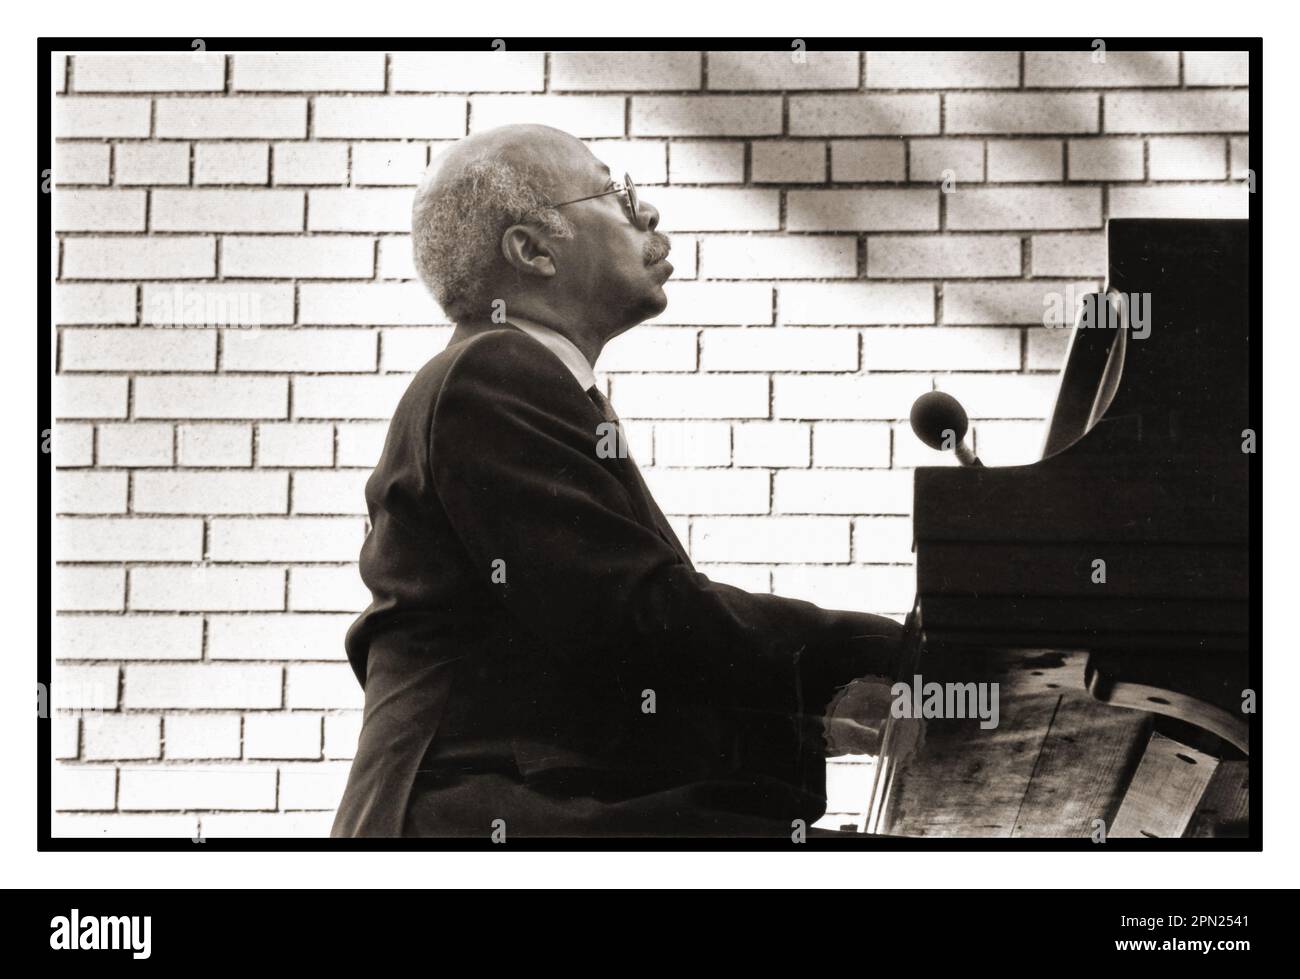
[514, 462]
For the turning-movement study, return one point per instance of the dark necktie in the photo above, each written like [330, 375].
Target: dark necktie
[604, 407]
[608, 413]
[653, 513]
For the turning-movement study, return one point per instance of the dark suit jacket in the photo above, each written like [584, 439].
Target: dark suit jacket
[525, 699]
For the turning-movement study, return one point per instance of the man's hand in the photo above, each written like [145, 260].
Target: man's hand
[856, 719]
[856, 716]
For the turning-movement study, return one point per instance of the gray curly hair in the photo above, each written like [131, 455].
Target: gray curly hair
[456, 228]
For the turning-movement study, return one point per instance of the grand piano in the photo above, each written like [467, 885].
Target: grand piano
[1105, 588]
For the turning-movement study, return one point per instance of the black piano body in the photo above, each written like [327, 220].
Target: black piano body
[1105, 588]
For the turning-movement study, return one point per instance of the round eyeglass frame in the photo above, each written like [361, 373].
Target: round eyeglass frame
[628, 188]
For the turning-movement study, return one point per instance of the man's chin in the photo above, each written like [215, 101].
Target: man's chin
[657, 301]
[646, 301]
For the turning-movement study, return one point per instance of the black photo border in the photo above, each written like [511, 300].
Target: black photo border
[47, 47]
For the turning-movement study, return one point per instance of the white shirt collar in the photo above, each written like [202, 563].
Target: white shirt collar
[563, 348]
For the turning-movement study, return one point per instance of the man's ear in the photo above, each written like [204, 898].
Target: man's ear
[527, 251]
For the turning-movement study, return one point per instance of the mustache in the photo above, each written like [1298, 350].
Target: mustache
[657, 247]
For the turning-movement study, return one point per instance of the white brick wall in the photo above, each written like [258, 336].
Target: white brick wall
[236, 315]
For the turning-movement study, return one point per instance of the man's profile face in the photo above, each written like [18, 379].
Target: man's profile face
[610, 263]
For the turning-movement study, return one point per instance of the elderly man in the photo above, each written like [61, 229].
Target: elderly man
[540, 657]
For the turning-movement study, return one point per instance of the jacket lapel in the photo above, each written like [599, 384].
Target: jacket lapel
[654, 517]
[648, 512]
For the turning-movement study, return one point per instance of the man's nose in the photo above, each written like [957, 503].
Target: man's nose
[647, 215]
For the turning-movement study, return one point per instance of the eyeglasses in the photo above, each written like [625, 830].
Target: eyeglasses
[627, 189]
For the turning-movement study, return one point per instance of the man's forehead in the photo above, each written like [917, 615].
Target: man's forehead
[577, 162]
[568, 163]
[588, 176]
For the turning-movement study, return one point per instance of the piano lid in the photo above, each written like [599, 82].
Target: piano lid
[1166, 347]
[1143, 469]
